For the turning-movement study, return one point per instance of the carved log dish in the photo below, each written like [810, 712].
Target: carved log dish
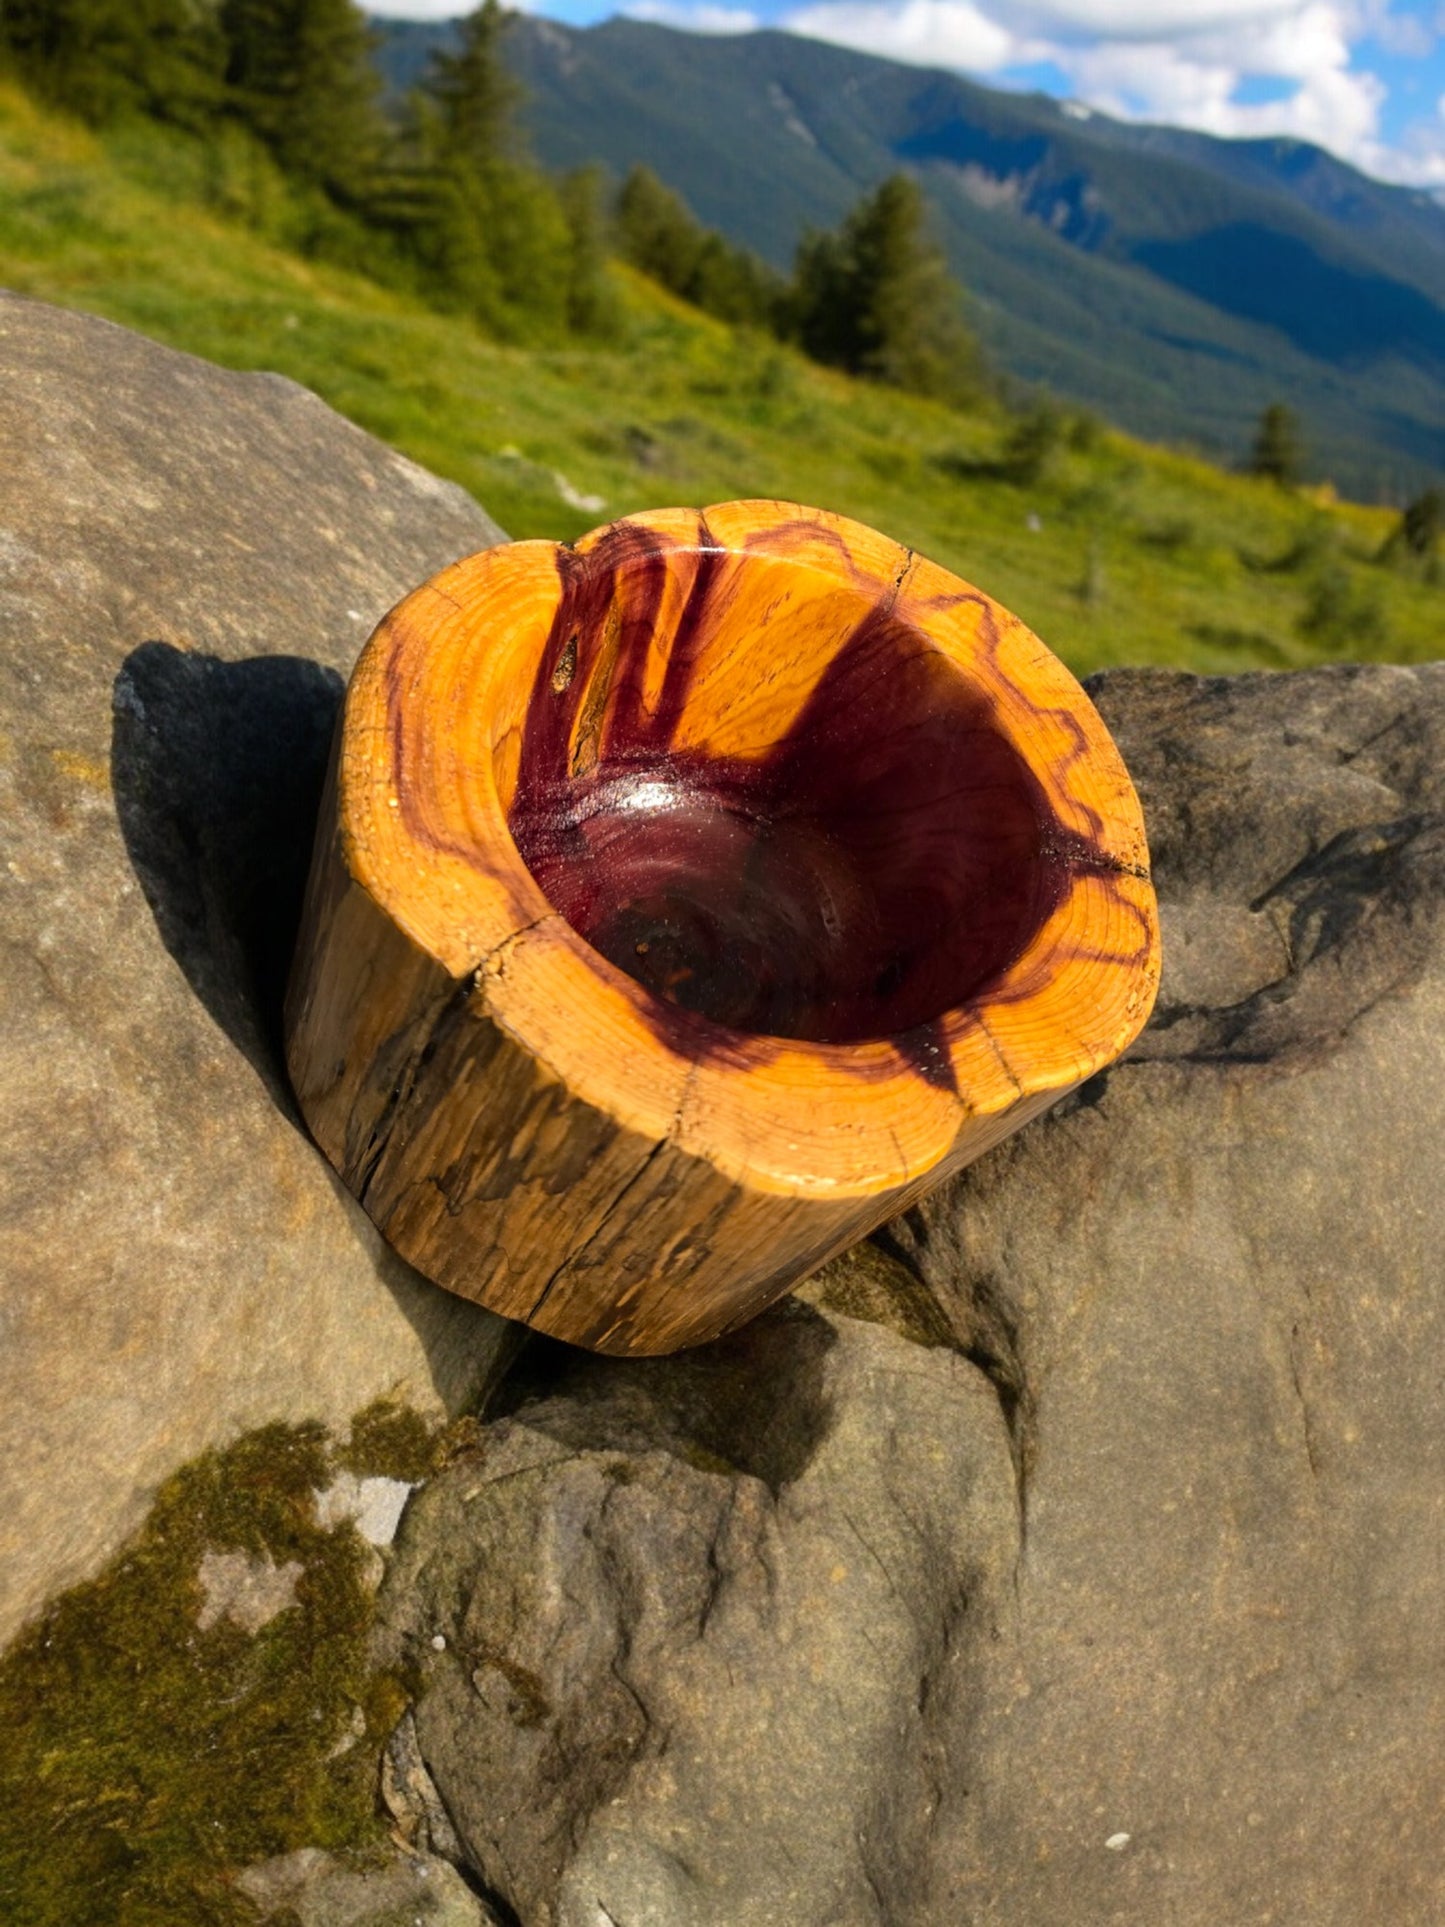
[689, 900]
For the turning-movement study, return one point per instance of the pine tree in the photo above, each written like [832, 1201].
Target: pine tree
[1423, 524]
[659, 234]
[300, 73]
[1417, 536]
[824, 308]
[876, 298]
[103, 58]
[1277, 452]
[40, 38]
[489, 230]
[591, 302]
[656, 231]
[733, 284]
[475, 96]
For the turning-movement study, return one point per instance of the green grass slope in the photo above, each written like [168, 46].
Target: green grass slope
[1176, 283]
[1115, 552]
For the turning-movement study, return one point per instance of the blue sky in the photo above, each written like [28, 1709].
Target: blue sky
[1365, 78]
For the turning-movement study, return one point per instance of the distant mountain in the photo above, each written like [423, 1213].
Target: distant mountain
[1175, 282]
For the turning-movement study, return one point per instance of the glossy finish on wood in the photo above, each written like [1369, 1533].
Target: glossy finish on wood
[691, 899]
[843, 882]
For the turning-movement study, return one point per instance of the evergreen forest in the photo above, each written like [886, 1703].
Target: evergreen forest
[439, 194]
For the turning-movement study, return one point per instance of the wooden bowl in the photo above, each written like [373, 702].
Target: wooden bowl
[689, 900]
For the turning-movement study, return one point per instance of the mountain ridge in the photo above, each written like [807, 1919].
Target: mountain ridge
[1174, 281]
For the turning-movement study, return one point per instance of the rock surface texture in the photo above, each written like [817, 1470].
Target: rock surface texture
[189, 562]
[312, 1889]
[1077, 1558]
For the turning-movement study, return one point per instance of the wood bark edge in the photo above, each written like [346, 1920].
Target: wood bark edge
[530, 1124]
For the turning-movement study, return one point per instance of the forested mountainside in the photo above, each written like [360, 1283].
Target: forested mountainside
[1175, 282]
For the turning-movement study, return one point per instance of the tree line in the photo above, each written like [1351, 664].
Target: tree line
[439, 189]
[436, 192]
[873, 296]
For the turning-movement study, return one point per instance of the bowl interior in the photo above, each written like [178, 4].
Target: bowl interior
[773, 801]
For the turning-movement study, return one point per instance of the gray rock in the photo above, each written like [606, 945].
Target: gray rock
[310, 1888]
[373, 1505]
[409, 1794]
[189, 562]
[1124, 1605]
[247, 1588]
[1211, 1288]
[686, 1626]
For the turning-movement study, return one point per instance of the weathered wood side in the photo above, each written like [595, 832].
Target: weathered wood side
[361, 1002]
[480, 1167]
[689, 901]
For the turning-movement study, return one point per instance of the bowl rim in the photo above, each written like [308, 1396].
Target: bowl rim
[779, 1115]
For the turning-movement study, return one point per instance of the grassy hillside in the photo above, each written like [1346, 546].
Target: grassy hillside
[1175, 282]
[1114, 552]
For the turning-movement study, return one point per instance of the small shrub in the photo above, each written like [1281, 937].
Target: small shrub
[1417, 535]
[1343, 612]
[1278, 451]
[1033, 442]
[1313, 544]
[1169, 537]
[1083, 432]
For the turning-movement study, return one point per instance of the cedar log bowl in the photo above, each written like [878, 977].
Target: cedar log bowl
[690, 900]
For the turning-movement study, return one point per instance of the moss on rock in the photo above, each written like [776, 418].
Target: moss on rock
[391, 1441]
[147, 1760]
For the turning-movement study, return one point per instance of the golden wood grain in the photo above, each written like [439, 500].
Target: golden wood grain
[535, 1127]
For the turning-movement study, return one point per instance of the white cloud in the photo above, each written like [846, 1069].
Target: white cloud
[935, 33]
[1193, 81]
[1418, 161]
[696, 19]
[1409, 35]
[1183, 62]
[419, 9]
[1419, 158]
[1149, 20]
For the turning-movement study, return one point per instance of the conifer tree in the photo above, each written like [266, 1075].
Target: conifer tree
[301, 73]
[823, 302]
[659, 234]
[656, 231]
[488, 229]
[591, 303]
[1277, 452]
[102, 58]
[1418, 534]
[876, 298]
[475, 96]
[524, 254]
[1423, 523]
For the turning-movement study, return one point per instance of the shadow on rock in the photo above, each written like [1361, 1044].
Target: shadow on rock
[753, 1402]
[218, 769]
